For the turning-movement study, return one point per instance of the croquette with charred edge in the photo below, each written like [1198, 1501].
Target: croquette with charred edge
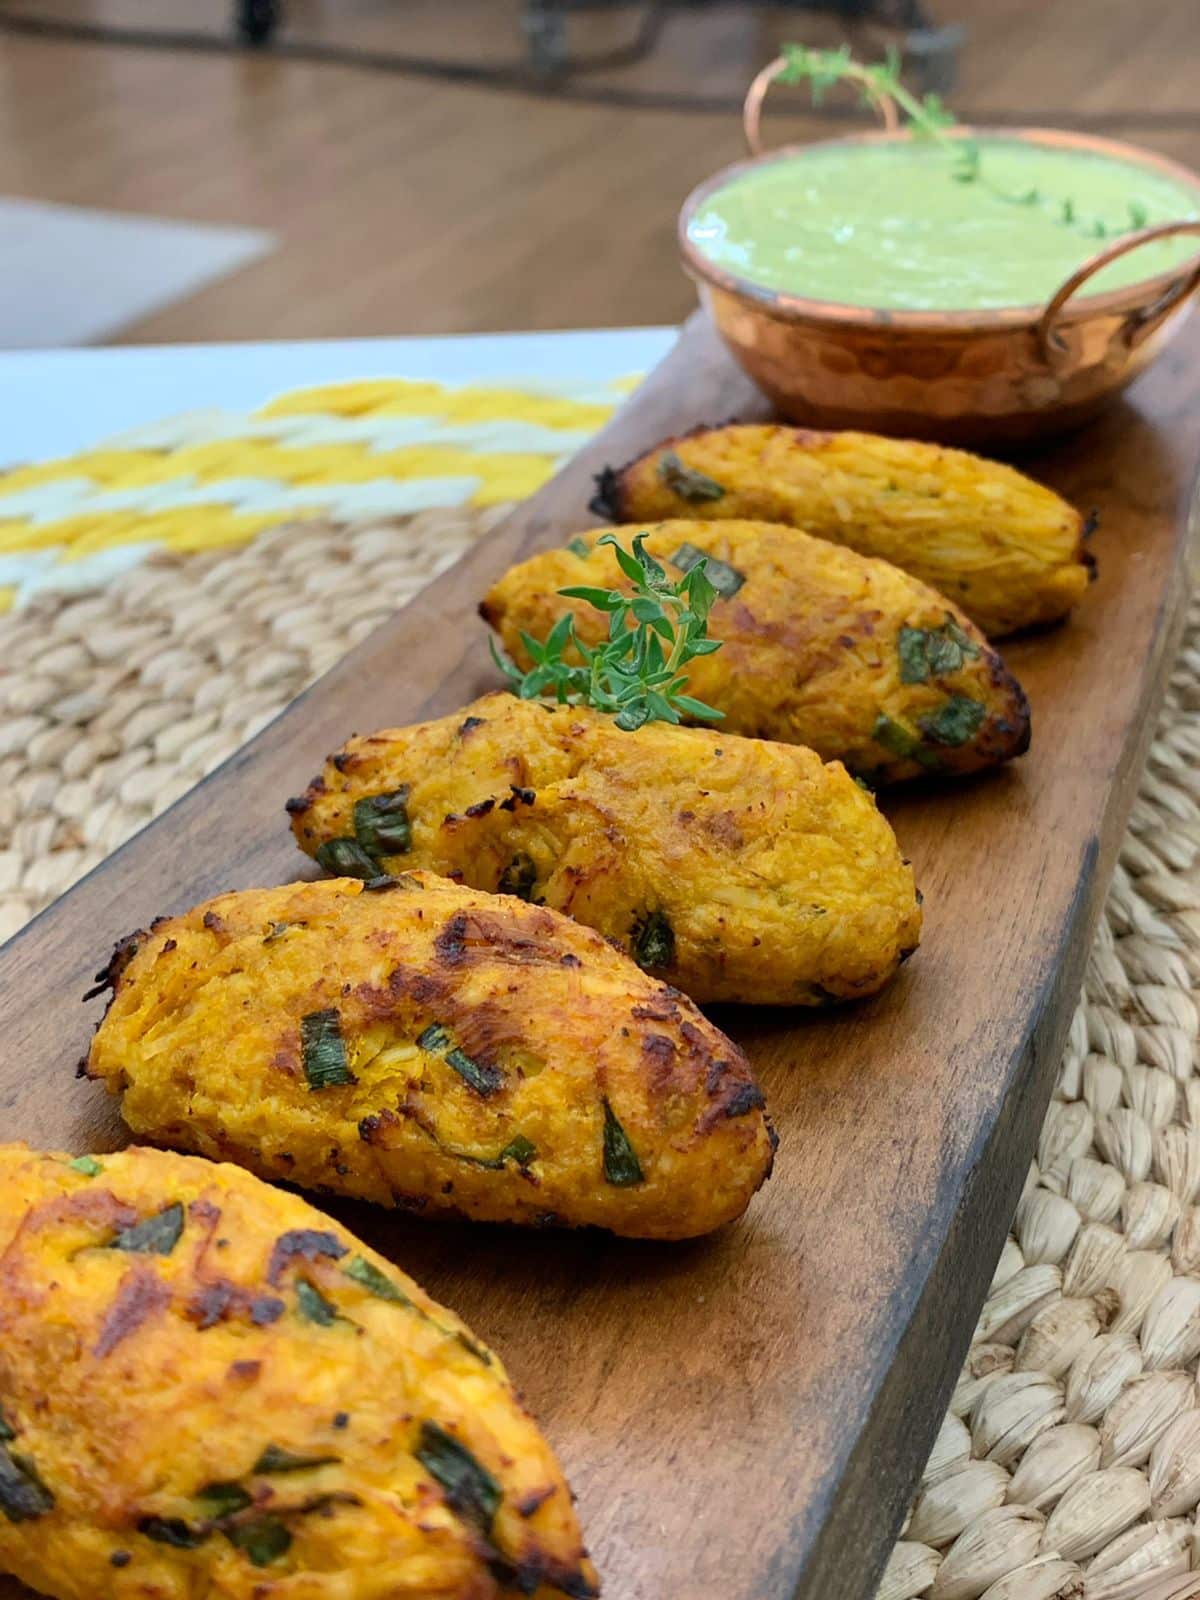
[1006, 549]
[819, 646]
[429, 1046]
[209, 1389]
[735, 869]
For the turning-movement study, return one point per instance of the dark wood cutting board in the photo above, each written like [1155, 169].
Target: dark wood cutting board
[742, 1417]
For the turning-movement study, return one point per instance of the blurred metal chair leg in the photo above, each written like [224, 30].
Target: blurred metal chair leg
[255, 21]
[931, 50]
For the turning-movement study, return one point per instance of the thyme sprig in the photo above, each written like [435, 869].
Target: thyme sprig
[637, 674]
[928, 117]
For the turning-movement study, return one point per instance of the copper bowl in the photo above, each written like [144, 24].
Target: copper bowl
[957, 376]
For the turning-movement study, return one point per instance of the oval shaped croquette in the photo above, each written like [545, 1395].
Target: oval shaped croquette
[211, 1391]
[736, 869]
[429, 1046]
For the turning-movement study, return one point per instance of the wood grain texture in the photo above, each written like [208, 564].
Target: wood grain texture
[742, 1416]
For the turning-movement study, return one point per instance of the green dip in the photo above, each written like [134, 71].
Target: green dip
[889, 225]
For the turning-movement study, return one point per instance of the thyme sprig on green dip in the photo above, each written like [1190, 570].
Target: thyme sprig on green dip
[928, 117]
[637, 674]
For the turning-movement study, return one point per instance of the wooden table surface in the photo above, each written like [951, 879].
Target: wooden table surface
[742, 1416]
[413, 205]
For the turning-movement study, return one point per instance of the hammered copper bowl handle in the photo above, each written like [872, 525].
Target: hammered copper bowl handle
[757, 93]
[1139, 324]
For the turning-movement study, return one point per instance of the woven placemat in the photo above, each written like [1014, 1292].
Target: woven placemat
[1068, 1467]
[117, 700]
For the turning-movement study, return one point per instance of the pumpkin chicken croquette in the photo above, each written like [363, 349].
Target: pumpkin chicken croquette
[819, 646]
[424, 1045]
[736, 869]
[1007, 550]
[210, 1391]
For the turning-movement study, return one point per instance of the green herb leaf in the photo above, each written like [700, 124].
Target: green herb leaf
[519, 877]
[956, 722]
[484, 1079]
[88, 1165]
[726, 580]
[436, 1038]
[600, 599]
[621, 1165]
[312, 1304]
[632, 563]
[689, 484]
[894, 736]
[654, 941]
[634, 717]
[579, 547]
[156, 1236]
[558, 638]
[381, 824]
[276, 1459]
[468, 1486]
[369, 1277]
[933, 652]
[346, 858]
[223, 1499]
[635, 675]
[473, 1349]
[638, 565]
[701, 594]
[262, 1541]
[696, 708]
[521, 1150]
[912, 646]
[367, 1274]
[324, 1051]
[174, 1531]
[23, 1495]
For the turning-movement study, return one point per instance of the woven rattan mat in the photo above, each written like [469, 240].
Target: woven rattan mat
[1069, 1465]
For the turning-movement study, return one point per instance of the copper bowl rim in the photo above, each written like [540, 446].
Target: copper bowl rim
[796, 308]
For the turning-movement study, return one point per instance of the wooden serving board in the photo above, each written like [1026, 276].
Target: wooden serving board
[742, 1417]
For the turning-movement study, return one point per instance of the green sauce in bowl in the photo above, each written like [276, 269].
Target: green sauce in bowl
[889, 226]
